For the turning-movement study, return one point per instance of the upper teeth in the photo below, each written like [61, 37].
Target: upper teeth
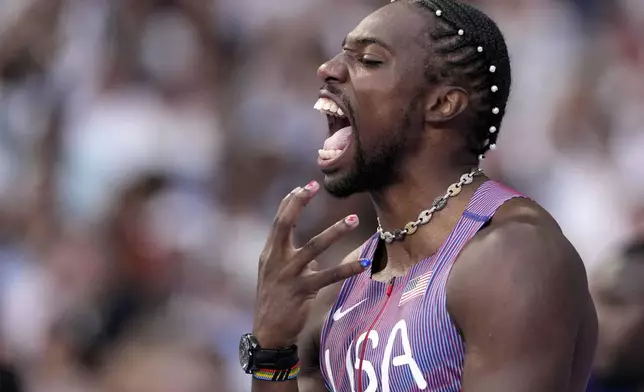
[327, 106]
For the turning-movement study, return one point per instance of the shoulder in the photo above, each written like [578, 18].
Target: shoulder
[519, 296]
[521, 236]
[520, 259]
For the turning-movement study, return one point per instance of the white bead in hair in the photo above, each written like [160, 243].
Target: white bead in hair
[492, 68]
[495, 89]
[439, 12]
[461, 32]
[492, 129]
[480, 49]
[492, 147]
[481, 157]
[495, 110]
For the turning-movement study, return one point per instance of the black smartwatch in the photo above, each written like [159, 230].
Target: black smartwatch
[253, 358]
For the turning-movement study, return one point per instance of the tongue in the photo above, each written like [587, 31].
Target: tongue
[339, 140]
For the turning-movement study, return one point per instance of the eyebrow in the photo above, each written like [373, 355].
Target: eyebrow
[364, 41]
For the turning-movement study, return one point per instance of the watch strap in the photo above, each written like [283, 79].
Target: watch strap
[282, 359]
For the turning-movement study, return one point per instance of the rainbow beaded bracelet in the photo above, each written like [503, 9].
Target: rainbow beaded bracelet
[278, 375]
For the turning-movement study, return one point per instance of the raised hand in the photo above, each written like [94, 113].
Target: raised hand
[288, 281]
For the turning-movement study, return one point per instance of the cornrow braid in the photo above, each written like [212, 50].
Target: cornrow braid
[471, 53]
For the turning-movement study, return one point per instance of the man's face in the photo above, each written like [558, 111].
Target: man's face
[618, 292]
[377, 83]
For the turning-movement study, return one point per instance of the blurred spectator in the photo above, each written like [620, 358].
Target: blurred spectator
[618, 292]
[157, 105]
[155, 365]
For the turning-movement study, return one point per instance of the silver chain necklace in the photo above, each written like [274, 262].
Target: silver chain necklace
[425, 216]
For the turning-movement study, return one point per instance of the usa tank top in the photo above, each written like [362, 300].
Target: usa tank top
[399, 336]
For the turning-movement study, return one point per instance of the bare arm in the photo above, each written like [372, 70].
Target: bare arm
[293, 295]
[310, 377]
[519, 295]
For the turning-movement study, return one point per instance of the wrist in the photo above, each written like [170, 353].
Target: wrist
[274, 364]
[272, 341]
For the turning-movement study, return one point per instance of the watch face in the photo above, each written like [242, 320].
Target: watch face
[244, 352]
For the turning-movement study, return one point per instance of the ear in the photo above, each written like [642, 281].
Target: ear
[445, 103]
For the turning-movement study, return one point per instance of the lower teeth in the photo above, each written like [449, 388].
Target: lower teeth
[329, 154]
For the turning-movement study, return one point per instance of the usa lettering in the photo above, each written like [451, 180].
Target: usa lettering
[388, 364]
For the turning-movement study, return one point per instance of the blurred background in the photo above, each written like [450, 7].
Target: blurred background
[145, 145]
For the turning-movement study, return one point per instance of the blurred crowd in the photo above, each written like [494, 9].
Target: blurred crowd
[145, 145]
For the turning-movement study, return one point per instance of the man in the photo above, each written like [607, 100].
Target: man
[617, 285]
[443, 297]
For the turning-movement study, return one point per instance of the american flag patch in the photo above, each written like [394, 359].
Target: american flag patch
[415, 288]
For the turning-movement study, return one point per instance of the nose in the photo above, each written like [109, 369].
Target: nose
[334, 71]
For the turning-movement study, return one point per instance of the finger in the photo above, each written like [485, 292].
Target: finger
[327, 277]
[287, 199]
[288, 216]
[321, 242]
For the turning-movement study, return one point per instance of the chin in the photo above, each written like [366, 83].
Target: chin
[341, 185]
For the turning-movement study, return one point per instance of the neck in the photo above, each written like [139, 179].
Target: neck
[402, 202]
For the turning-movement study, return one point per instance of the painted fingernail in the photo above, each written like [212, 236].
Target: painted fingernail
[311, 186]
[365, 263]
[352, 220]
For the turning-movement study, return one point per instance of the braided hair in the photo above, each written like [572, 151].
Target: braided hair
[471, 53]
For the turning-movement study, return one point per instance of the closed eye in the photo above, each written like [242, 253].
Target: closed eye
[369, 61]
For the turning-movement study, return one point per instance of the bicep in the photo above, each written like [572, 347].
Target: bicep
[310, 378]
[519, 315]
[519, 356]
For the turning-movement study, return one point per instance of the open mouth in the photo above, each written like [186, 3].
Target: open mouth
[340, 131]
